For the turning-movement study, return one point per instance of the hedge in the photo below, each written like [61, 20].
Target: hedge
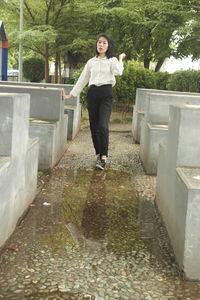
[33, 69]
[185, 81]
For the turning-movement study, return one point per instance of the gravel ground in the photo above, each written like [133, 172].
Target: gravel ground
[93, 235]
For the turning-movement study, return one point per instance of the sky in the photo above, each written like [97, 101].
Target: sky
[173, 65]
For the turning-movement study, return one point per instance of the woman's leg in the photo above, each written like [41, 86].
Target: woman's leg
[93, 111]
[104, 118]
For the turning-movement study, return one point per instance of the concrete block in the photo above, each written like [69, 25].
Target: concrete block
[139, 107]
[187, 241]
[47, 121]
[138, 113]
[18, 164]
[152, 136]
[74, 123]
[66, 87]
[72, 105]
[183, 137]
[31, 169]
[46, 104]
[52, 141]
[178, 186]
[154, 125]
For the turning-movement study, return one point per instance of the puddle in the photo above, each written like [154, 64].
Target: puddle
[100, 211]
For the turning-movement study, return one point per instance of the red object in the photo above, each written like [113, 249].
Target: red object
[4, 44]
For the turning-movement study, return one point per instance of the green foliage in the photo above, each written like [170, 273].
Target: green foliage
[161, 80]
[133, 77]
[185, 81]
[189, 40]
[33, 69]
[83, 95]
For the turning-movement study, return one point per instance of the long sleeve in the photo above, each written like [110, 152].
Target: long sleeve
[116, 67]
[82, 81]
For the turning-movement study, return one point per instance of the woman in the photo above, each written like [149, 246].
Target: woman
[99, 73]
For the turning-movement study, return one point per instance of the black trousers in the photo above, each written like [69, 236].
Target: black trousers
[99, 109]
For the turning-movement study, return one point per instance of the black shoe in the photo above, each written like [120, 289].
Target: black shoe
[98, 161]
[101, 164]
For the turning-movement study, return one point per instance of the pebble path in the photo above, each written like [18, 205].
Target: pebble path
[91, 235]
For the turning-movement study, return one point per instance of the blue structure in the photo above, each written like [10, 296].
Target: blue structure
[3, 53]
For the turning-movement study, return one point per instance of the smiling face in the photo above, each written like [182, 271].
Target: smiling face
[102, 46]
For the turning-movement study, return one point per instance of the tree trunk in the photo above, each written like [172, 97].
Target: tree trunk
[59, 70]
[159, 64]
[147, 63]
[46, 62]
[56, 68]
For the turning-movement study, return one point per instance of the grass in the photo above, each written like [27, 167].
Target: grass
[116, 117]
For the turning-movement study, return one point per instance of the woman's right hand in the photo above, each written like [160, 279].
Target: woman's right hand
[122, 56]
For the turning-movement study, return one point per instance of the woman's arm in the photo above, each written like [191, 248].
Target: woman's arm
[80, 84]
[117, 66]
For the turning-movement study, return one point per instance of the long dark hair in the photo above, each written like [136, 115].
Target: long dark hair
[110, 51]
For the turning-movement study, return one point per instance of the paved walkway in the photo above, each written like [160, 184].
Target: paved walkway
[93, 235]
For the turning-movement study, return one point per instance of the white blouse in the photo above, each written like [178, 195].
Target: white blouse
[98, 71]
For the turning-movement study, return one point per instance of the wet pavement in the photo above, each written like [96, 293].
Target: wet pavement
[93, 234]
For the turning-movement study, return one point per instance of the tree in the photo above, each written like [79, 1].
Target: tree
[40, 20]
[147, 28]
[188, 36]
[66, 29]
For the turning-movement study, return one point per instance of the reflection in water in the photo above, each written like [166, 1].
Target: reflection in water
[94, 216]
[94, 219]
[101, 210]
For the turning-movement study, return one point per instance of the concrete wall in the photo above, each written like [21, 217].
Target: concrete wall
[19, 160]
